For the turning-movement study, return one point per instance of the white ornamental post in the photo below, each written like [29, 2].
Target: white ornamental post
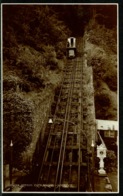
[101, 154]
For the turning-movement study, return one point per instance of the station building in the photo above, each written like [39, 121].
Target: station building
[108, 130]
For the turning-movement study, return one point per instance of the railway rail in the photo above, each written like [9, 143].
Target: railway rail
[63, 167]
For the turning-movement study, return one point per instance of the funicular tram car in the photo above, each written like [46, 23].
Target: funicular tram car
[71, 47]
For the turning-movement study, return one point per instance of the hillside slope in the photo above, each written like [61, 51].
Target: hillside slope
[33, 62]
[101, 48]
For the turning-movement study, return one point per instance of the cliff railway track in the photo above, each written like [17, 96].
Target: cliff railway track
[64, 165]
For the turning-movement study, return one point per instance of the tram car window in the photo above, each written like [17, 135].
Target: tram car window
[71, 47]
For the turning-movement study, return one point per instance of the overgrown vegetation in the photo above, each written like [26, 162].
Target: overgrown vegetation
[111, 161]
[101, 46]
[33, 57]
[18, 125]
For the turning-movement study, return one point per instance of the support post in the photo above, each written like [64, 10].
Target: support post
[93, 165]
[10, 164]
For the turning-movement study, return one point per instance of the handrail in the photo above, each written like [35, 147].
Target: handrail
[101, 139]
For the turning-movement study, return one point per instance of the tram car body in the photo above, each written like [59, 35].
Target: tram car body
[71, 47]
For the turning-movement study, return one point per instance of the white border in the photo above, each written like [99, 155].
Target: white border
[118, 186]
[1, 105]
[59, 3]
[33, 192]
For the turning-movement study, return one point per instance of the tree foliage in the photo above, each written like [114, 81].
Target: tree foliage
[32, 36]
[18, 112]
[40, 26]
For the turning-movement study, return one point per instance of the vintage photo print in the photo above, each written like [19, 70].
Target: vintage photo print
[59, 122]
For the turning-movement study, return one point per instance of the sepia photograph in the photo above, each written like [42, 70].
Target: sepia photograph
[59, 75]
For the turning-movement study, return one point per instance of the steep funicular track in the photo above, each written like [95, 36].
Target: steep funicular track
[63, 167]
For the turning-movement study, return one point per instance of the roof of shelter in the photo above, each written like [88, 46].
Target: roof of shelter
[106, 124]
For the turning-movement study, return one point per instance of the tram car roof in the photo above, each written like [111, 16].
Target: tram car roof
[71, 38]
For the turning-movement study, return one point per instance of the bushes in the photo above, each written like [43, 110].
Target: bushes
[60, 49]
[50, 57]
[33, 42]
[106, 38]
[111, 161]
[105, 81]
[17, 116]
[32, 47]
[104, 67]
[41, 25]
[103, 98]
[110, 78]
[105, 101]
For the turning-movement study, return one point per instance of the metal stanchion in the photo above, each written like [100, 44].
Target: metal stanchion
[10, 164]
[93, 165]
